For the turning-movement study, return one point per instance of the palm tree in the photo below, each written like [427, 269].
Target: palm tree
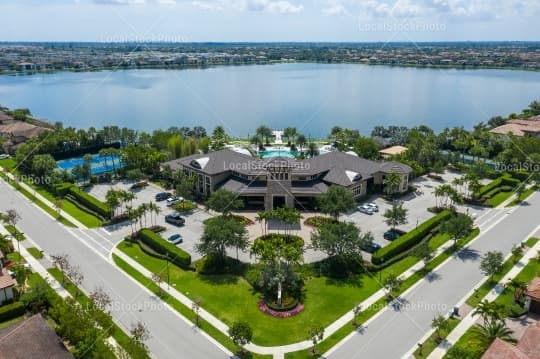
[440, 324]
[113, 201]
[312, 149]
[261, 217]
[519, 287]
[301, 141]
[490, 330]
[391, 182]
[438, 192]
[488, 311]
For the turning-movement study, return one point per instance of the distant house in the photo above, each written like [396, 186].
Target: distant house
[528, 346]
[533, 296]
[520, 127]
[6, 282]
[32, 339]
[17, 132]
[392, 151]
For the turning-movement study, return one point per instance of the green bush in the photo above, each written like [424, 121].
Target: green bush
[88, 201]
[516, 310]
[161, 246]
[62, 189]
[410, 239]
[10, 311]
[317, 221]
[504, 180]
[521, 175]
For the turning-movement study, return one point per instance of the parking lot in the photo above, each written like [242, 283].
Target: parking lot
[416, 204]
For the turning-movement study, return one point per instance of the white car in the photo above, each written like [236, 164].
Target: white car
[373, 206]
[3, 156]
[172, 201]
[365, 209]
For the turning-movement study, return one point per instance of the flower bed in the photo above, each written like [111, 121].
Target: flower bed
[317, 221]
[277, 314]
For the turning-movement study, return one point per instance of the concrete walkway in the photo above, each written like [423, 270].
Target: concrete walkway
[276, 351]
[43, 199]
[471, 319]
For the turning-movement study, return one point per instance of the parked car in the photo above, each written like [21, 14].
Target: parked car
[365, 209]
[162, 196]
[3, 156]
[175, 238]
[391, 235]
[373, 206]
[371, 247]
[139, 185]
[175, 219]
[173, 200]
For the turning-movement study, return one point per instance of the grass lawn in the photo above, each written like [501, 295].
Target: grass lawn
[231, 298]
[329, 342]
[36, 253]
[488, 285]
[8, 164]
[500, 198]
[506, 298]
[18, 235]
[15, 257]
[40, 204]
[89, 220]
[531, 242]
[523, 196]
[182, 309]
[431, 343]
[12, 321]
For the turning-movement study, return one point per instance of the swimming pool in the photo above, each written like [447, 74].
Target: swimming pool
[98, 165]
[281, 152]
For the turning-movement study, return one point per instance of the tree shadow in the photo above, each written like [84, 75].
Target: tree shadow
[219, 279]
[349, 281]
[398, 304]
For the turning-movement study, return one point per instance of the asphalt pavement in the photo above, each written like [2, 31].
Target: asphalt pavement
[399, 328]
[171, 336]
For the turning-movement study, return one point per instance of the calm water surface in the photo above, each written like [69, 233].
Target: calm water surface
[312, 97]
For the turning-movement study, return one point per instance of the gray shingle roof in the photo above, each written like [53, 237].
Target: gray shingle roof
[31, 339]
[333, 165]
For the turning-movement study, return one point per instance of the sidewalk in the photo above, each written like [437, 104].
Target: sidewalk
[277, 351]
[38, 268]
[43, 199]
[471, 319]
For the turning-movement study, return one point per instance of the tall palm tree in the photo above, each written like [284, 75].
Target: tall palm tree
[492, 329]
[391, 182]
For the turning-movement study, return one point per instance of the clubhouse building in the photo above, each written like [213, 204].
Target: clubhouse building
[274, 182]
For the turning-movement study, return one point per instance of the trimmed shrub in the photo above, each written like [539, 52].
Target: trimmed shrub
[62, 189]
[516, 310]
[521, 175]
[410, 239]
[90, 202]
[317, 221]
[10, 311]
[505, 180]
[176, 255]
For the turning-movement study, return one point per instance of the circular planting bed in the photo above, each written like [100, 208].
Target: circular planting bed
[290, 239]
[289, 308]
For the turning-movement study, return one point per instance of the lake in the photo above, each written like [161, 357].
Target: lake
[311, 97]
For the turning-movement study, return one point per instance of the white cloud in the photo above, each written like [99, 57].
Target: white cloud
[334, 7]
[275, 6]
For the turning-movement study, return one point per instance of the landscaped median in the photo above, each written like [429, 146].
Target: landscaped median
[231, 298]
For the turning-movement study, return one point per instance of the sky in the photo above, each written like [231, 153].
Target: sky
[270, 20]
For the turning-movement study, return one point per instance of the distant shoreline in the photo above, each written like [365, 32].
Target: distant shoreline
[187, 67]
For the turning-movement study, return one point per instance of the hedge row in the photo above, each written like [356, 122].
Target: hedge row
[410, 239]
[505, 180]
[157, 243]
[10, 311]
[90, 202]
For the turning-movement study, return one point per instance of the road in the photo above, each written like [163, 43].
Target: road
[171, 336]
[397, 330]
